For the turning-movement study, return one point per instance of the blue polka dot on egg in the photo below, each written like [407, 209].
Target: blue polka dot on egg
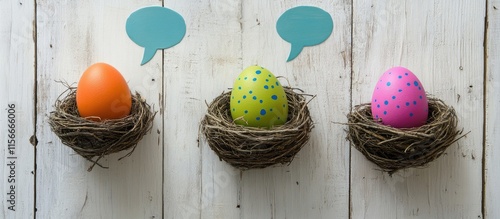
[266, 87]
[263, 112]
[254, 79]
[274, 97]
[415, 83]
[258, 72]
[386, 102]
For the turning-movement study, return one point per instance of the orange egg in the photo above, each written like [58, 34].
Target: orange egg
[103, 93]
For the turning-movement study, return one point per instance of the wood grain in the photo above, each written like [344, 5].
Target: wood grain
[316, 183]
[492, 153]
[442, 43]
[174, 174]
[71, 36]
[17, 73]
[201, 67]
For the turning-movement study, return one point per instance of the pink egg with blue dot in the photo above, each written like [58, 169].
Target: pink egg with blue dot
[399, 99]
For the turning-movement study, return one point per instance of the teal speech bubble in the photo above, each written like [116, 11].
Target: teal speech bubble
[155, 28]
[304, 26]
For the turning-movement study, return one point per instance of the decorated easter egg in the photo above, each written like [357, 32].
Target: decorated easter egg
[103, 93]
[258, 99]
[399, 99]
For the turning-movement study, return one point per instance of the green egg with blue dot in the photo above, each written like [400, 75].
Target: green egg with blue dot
[259, 99]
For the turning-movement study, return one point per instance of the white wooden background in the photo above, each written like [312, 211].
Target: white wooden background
[452, 45]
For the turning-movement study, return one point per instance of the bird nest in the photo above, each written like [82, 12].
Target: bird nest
[393, 149]
[249, 147]
[93, 140]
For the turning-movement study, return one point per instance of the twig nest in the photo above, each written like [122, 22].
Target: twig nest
[93, 140]
[249, 147]
[393, 149]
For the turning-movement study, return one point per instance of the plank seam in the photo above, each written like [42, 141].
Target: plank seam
[485, 72]
[35, 103]
[162, 108]
[240, 181]
[350, 109]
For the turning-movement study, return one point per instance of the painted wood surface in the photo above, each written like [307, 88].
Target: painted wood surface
[492, 152]
[71, 35]
[17, 77]
[316, 183]
[174, 174]
[197, 184]
[442, 43]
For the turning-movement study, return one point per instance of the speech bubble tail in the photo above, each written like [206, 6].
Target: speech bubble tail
[149, 53]
[294, 52]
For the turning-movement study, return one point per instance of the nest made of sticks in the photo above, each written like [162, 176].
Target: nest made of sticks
[249, 147]
[95, 139]
[393, 149]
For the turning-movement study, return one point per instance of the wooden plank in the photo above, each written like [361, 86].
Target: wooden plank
[442, 43]
[71, 36]
[197, 184]
[492, 153]
[316, 183]
[17, 78]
